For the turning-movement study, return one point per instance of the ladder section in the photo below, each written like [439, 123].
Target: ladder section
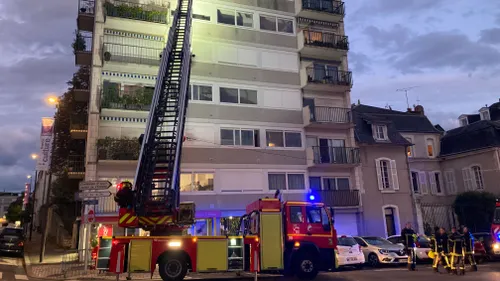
[157, 176]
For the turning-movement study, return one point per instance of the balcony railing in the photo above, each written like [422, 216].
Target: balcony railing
[132, 54]
[326, 114]
[340, 198]
[325, 39]
[329, 6]
[118, 149]
[76, 164]
[83, 43]
[78, 122]
[329, 76]
[86, 7]
[336, 155]
[156, 11]
[140, 99]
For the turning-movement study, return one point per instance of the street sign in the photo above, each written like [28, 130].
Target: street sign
[94, 185]
[91, 202]
[93, 194]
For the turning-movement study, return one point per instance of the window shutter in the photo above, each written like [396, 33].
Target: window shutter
[423, 183]
[467, 179]
[432, 180]
[453, 184]
[473, 179]
[379, 174]
[394, 173]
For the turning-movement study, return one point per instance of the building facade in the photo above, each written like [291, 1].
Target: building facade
[256, 65]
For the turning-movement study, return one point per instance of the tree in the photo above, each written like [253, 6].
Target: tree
[15, 210]
[475, 209]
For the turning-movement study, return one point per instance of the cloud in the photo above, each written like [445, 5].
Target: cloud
[393, 38]
[490, 36]
[359, 63]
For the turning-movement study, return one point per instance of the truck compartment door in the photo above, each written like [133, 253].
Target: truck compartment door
[271, 241]
[211, 255]
[140, 255]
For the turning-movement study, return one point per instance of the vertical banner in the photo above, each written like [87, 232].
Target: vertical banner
[26, 195]
[46, 138]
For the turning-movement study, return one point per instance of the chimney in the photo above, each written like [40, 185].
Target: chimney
[419, 109]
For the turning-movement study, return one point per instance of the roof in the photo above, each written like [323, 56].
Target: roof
[396, 121]
[475, 136]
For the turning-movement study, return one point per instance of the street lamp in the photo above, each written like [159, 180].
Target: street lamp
[34, 156]
[52, 100]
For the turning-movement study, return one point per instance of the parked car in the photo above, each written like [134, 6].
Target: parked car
[378, 250]
[423, 244]
[12, 240]
[485, 247]
[350, 253]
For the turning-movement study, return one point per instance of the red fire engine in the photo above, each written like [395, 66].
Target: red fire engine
[294, 237]
[495, 228]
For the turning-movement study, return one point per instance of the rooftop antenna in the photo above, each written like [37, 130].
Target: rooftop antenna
[406, 93]
[388, 106]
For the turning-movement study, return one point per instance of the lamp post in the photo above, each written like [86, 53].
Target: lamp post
[34, 156]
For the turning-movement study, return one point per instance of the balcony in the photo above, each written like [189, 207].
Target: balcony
[339, 198]
[81, 85]
[325, 117]
[78, 126]
[328, 156]
[136, 98]
[86, 15]
[76, 166]
[132, 54]
[325, 10]
[322, 45]
[329, 79]
[118, 149]
[82, 48]
[156, 11]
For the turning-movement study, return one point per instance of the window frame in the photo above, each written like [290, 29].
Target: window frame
[430, 142]
[239, 95]
[485, 114]
[375, 129]
[336, 178]
[393, 177]
[254, 144]
[276, 24]
[286, 181]
[436, 179]
[410, 150]
[396, 216]
[450, 182]
[418, 187]
[191, 92]
[477, 177]
[283, 135]
[193, 173]
[386, 182]
[235, 17]
[463, 121]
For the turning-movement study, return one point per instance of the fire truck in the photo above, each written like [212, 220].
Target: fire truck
[295, 238]
[495, 228]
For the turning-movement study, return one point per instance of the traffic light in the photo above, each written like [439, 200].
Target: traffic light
[124, 194]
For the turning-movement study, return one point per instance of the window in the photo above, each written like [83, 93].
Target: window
[201, 17]
[313, 214]
[436, 183]
[232, 17]
[485, 114]
[336, 184]
[233, 95]
[430, 147]
[422, 180]
[414, 182]
[477, 177]
[315, 183]
[296, 215]
[390, 221]
[283, 181]
[283, 139]
[449, 177]
[387, 174]
[380, 132]
[409, 149]
[196, 182]
[243, 137]
[437, 178]
[463, 121]
[276, 24]
[200, 92]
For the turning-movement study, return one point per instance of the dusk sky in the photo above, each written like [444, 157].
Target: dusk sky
[449, 48]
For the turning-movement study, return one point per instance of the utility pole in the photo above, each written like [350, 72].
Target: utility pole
[406, 93]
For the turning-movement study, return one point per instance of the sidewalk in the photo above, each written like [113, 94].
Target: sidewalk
[51, 266]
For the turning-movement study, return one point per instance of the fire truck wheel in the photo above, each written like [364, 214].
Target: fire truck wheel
[306, 267]
[172, 268]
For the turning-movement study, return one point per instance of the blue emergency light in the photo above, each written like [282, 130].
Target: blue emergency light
[312, 197]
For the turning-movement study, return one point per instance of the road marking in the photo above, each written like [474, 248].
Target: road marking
[391, 269]
[21, 277]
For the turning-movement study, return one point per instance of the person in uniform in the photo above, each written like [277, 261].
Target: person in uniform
[441, 250]
[456, 242]
[469, 248]
[409, 238]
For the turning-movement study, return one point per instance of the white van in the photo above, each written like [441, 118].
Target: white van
[350, 253]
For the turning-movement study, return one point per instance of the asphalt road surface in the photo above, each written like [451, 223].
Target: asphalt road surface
[11, 268]
[486, 272]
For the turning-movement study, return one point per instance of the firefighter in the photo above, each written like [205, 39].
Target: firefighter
[441, 250]
[409, 238]
[125, 195]
[469, 248]
[456, 243]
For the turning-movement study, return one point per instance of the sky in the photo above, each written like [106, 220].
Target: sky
[450, 49]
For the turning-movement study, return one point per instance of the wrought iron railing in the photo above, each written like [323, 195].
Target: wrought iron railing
[131, 54]
[340, 198]
[329, 76]
[118, 149]
[156, 11]
[76, 164]
[86, 7]
[329, 6]
[325, 39]
[82, 42]
[336, 155]
[327, 114]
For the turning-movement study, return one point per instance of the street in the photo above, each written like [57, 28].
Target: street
[11, 268]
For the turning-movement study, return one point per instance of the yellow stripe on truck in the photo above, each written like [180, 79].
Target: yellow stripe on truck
[124, 217]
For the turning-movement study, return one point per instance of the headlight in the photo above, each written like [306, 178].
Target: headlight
[496, 246]
[383, 251]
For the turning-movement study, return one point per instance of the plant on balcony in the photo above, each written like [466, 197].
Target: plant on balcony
[139, 100]
[79, 44]
[151, 13]
[118, 149]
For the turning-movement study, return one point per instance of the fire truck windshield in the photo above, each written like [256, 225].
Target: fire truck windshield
[496, 217]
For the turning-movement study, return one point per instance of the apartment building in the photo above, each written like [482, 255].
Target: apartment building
[256, 65]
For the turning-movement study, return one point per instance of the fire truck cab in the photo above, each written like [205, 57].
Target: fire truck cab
[495, 228]
[294, 238]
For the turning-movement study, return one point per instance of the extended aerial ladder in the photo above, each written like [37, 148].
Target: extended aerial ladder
[155, 195]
